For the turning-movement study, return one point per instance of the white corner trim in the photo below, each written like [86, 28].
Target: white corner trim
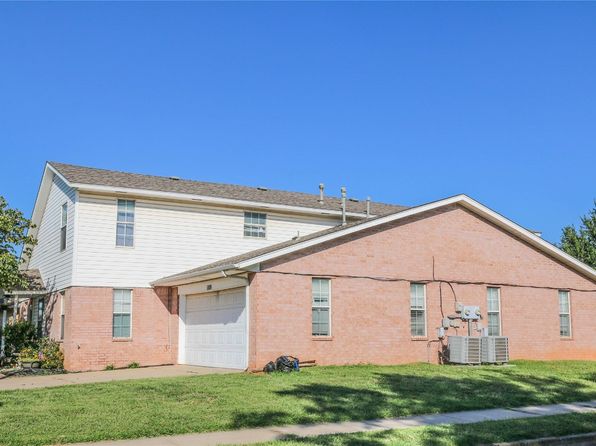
[182, 329]
[75, 238]
[247, 312]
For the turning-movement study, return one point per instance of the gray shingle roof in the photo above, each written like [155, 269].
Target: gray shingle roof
[102, 177]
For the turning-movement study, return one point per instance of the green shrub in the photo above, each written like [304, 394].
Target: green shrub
[50, 353]
[18, 336]
[110, 367]
[133, 365]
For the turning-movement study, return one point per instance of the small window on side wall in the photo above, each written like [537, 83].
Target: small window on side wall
[255, 225]
[62, 315]
[125, 225]
[121, 317]
[418, 310]
[493, 311]
[321, 307]
[63, 224]
[564, 314]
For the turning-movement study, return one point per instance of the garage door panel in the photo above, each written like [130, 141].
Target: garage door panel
[215, 332]
[215, 317]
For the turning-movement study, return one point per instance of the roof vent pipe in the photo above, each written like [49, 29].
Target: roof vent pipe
[343, 206]
[321, 192]
[367, 207]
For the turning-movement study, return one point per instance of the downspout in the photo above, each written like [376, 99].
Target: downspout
[343, 206]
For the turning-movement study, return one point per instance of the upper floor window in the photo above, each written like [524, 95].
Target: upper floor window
[63, 224]
[418, 309]
[126, 223]
[564, 314]
[255, 224]
[321, 307]
[493, 311]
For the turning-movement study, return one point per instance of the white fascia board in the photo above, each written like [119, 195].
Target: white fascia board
[463, 200]
[43, 191]
[528, 236]
[201, 276]
[209, 200]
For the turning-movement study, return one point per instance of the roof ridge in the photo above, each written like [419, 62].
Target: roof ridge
[57, 164]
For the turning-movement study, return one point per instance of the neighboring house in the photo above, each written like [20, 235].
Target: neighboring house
[268, 272]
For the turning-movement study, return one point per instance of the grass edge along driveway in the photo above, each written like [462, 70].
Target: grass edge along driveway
[168, 406]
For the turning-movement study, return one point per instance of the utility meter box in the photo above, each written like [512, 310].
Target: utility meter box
[470, 313]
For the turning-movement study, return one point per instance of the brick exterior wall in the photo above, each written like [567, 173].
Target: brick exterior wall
[371, 318]
[88, 342]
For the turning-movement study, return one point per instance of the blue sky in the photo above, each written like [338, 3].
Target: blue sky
[405, 102]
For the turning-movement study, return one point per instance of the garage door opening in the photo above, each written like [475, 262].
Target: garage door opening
[214, 329]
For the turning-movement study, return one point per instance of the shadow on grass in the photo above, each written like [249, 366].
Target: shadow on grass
[464, 435]
[396, 395]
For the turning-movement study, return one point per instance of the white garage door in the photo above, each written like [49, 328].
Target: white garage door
[215, 329]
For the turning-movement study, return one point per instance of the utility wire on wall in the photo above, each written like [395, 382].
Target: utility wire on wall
[449, 282]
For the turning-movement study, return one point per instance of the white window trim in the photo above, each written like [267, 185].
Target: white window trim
[129, 337]
[328, 306]
[425, 335]
[252, 237]
[134, 225]
[568, 314]
[498, 312]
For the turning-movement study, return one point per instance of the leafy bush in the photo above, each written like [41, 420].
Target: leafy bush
[30, 354]
[133, 365]
[110, 367]
[46, 351]
[50, 354]
[18, 336]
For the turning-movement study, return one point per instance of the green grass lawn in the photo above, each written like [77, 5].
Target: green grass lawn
[152, 407]
[487, 432]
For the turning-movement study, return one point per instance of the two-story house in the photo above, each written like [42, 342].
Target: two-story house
[160, 270]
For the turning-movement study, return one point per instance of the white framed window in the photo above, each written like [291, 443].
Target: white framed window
[63, 224]
[418, 309]
[122, 310]
[125, 226]
[321, 307]
[37, 315]
[255, 224]
[62, 316]
[564, 314]
[493, 305]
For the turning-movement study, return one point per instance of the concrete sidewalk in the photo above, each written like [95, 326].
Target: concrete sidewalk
[165, 371]
[251, 436]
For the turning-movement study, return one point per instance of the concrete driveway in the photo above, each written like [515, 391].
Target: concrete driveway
[36, 382]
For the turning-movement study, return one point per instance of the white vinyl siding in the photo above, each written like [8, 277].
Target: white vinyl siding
[169, 238]
[255, 224]
[321, 307]
[564, 314]
[493, 297]
[54, 264]
[418, 310]
[121, 317]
